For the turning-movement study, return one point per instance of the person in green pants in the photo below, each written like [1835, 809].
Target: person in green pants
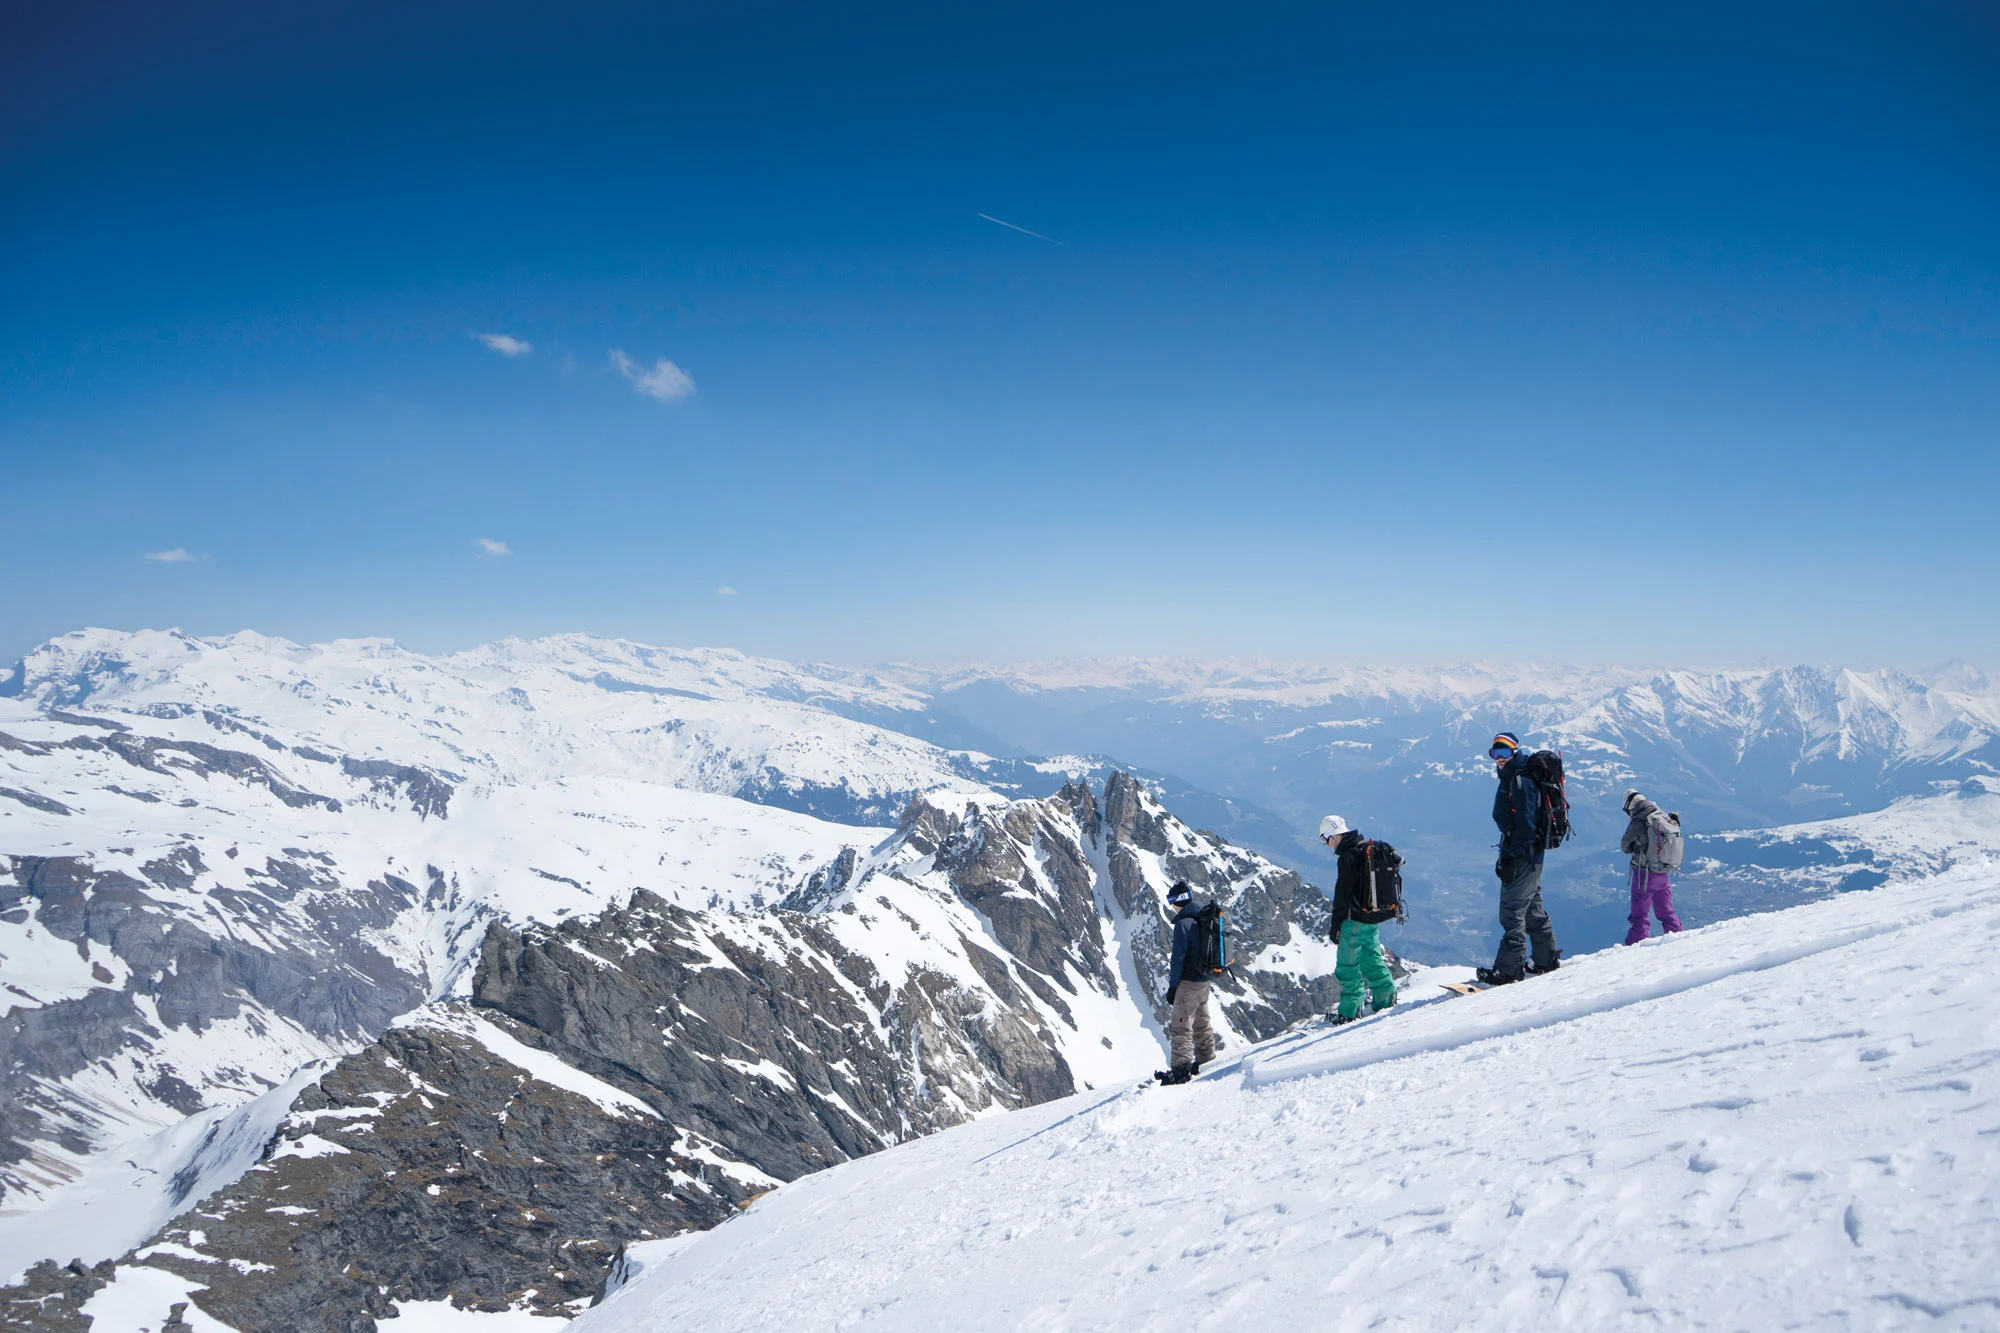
[1354, 928]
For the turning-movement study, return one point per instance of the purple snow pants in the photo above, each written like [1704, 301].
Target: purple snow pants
[1652, 891]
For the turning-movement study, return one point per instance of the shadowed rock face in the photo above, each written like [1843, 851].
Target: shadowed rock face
[427, 1167]
[645, 1071]
[177, 976]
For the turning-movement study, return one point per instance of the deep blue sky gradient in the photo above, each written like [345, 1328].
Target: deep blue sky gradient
[1354, 307]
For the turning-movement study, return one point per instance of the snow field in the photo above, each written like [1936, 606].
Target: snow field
[1781, 1121]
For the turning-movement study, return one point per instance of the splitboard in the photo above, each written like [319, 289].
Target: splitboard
[1464, 987]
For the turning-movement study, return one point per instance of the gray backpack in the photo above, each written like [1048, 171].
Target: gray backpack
[1663, 841]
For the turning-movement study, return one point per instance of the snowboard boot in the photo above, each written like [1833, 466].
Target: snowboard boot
[1339, 1020]
[1488, 977]
[1543, 969]
[1181, 1073]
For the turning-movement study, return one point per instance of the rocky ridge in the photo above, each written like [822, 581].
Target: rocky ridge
[644, 1070]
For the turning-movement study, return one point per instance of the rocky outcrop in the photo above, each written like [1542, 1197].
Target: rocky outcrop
[144, 970]
[431, 1167]
[51, 1297]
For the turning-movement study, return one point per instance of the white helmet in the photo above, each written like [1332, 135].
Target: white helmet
[1331, 827]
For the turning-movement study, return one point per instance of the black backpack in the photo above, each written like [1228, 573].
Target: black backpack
[1546, 768]
[1381, 894]
[1208, 951]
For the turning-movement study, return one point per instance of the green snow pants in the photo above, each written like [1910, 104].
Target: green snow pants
[1361, 958]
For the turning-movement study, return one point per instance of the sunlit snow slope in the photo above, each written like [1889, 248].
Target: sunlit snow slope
[1790, 1120]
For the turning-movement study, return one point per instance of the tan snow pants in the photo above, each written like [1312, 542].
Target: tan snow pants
[1193, 1038]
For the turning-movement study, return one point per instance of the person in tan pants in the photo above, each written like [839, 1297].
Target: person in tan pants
[1189, 1032]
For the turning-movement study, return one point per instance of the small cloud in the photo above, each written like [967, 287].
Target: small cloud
[488, 547]
[505, 345]
[725, 591]
[177, 556]
[665, 381]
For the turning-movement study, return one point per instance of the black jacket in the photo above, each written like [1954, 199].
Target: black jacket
[1517, 812]
[1184, 928]
[1350, 885]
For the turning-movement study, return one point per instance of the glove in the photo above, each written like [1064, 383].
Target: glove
[1171, 990]
[1504, 868]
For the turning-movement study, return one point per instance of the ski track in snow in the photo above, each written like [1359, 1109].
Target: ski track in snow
[1790, 1120]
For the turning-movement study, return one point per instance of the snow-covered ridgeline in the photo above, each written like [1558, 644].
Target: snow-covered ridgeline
[1782, 1121]
[1917, 708]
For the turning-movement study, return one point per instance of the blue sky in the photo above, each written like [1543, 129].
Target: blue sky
[1372, 333]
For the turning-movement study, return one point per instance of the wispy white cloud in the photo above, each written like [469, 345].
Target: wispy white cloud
[725, 591]
[665, 381]
[505, 345]
[178, 556]
[488, 547]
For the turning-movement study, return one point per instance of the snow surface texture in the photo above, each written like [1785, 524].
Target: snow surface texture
[1791, 1120]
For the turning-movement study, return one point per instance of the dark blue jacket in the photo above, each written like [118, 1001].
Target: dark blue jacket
[1183, 942]
[1517, 809]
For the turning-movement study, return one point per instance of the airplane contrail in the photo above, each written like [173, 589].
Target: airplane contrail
[1023, 230]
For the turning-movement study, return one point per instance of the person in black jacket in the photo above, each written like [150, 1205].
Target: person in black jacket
[1355, 925]
[1191, 1036]
[1517, 812]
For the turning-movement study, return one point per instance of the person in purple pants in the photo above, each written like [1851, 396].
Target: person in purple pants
[1653, 841]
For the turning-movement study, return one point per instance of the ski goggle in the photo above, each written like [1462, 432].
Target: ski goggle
[1502, 748]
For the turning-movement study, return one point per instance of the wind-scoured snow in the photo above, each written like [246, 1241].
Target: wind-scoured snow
[1790, 1120]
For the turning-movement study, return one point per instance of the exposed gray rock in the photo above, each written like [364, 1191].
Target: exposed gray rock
[46, 804]
[428, 793]
[50, 1299]
[427, 1168]
[330, 980]
[157, 754]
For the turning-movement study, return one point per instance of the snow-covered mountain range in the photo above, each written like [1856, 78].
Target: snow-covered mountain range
[345, 914]
[1401, 751]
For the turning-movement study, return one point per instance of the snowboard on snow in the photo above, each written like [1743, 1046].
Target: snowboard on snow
[1464, 987]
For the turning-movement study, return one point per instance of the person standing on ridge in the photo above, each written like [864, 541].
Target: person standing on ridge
[1517, 810]
[1355, 926]
[1191, 1037]
[1653, 841]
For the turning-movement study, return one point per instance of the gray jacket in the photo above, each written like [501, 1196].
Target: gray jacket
[1633, 844]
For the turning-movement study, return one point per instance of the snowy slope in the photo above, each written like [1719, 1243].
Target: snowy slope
[1791, 1120]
